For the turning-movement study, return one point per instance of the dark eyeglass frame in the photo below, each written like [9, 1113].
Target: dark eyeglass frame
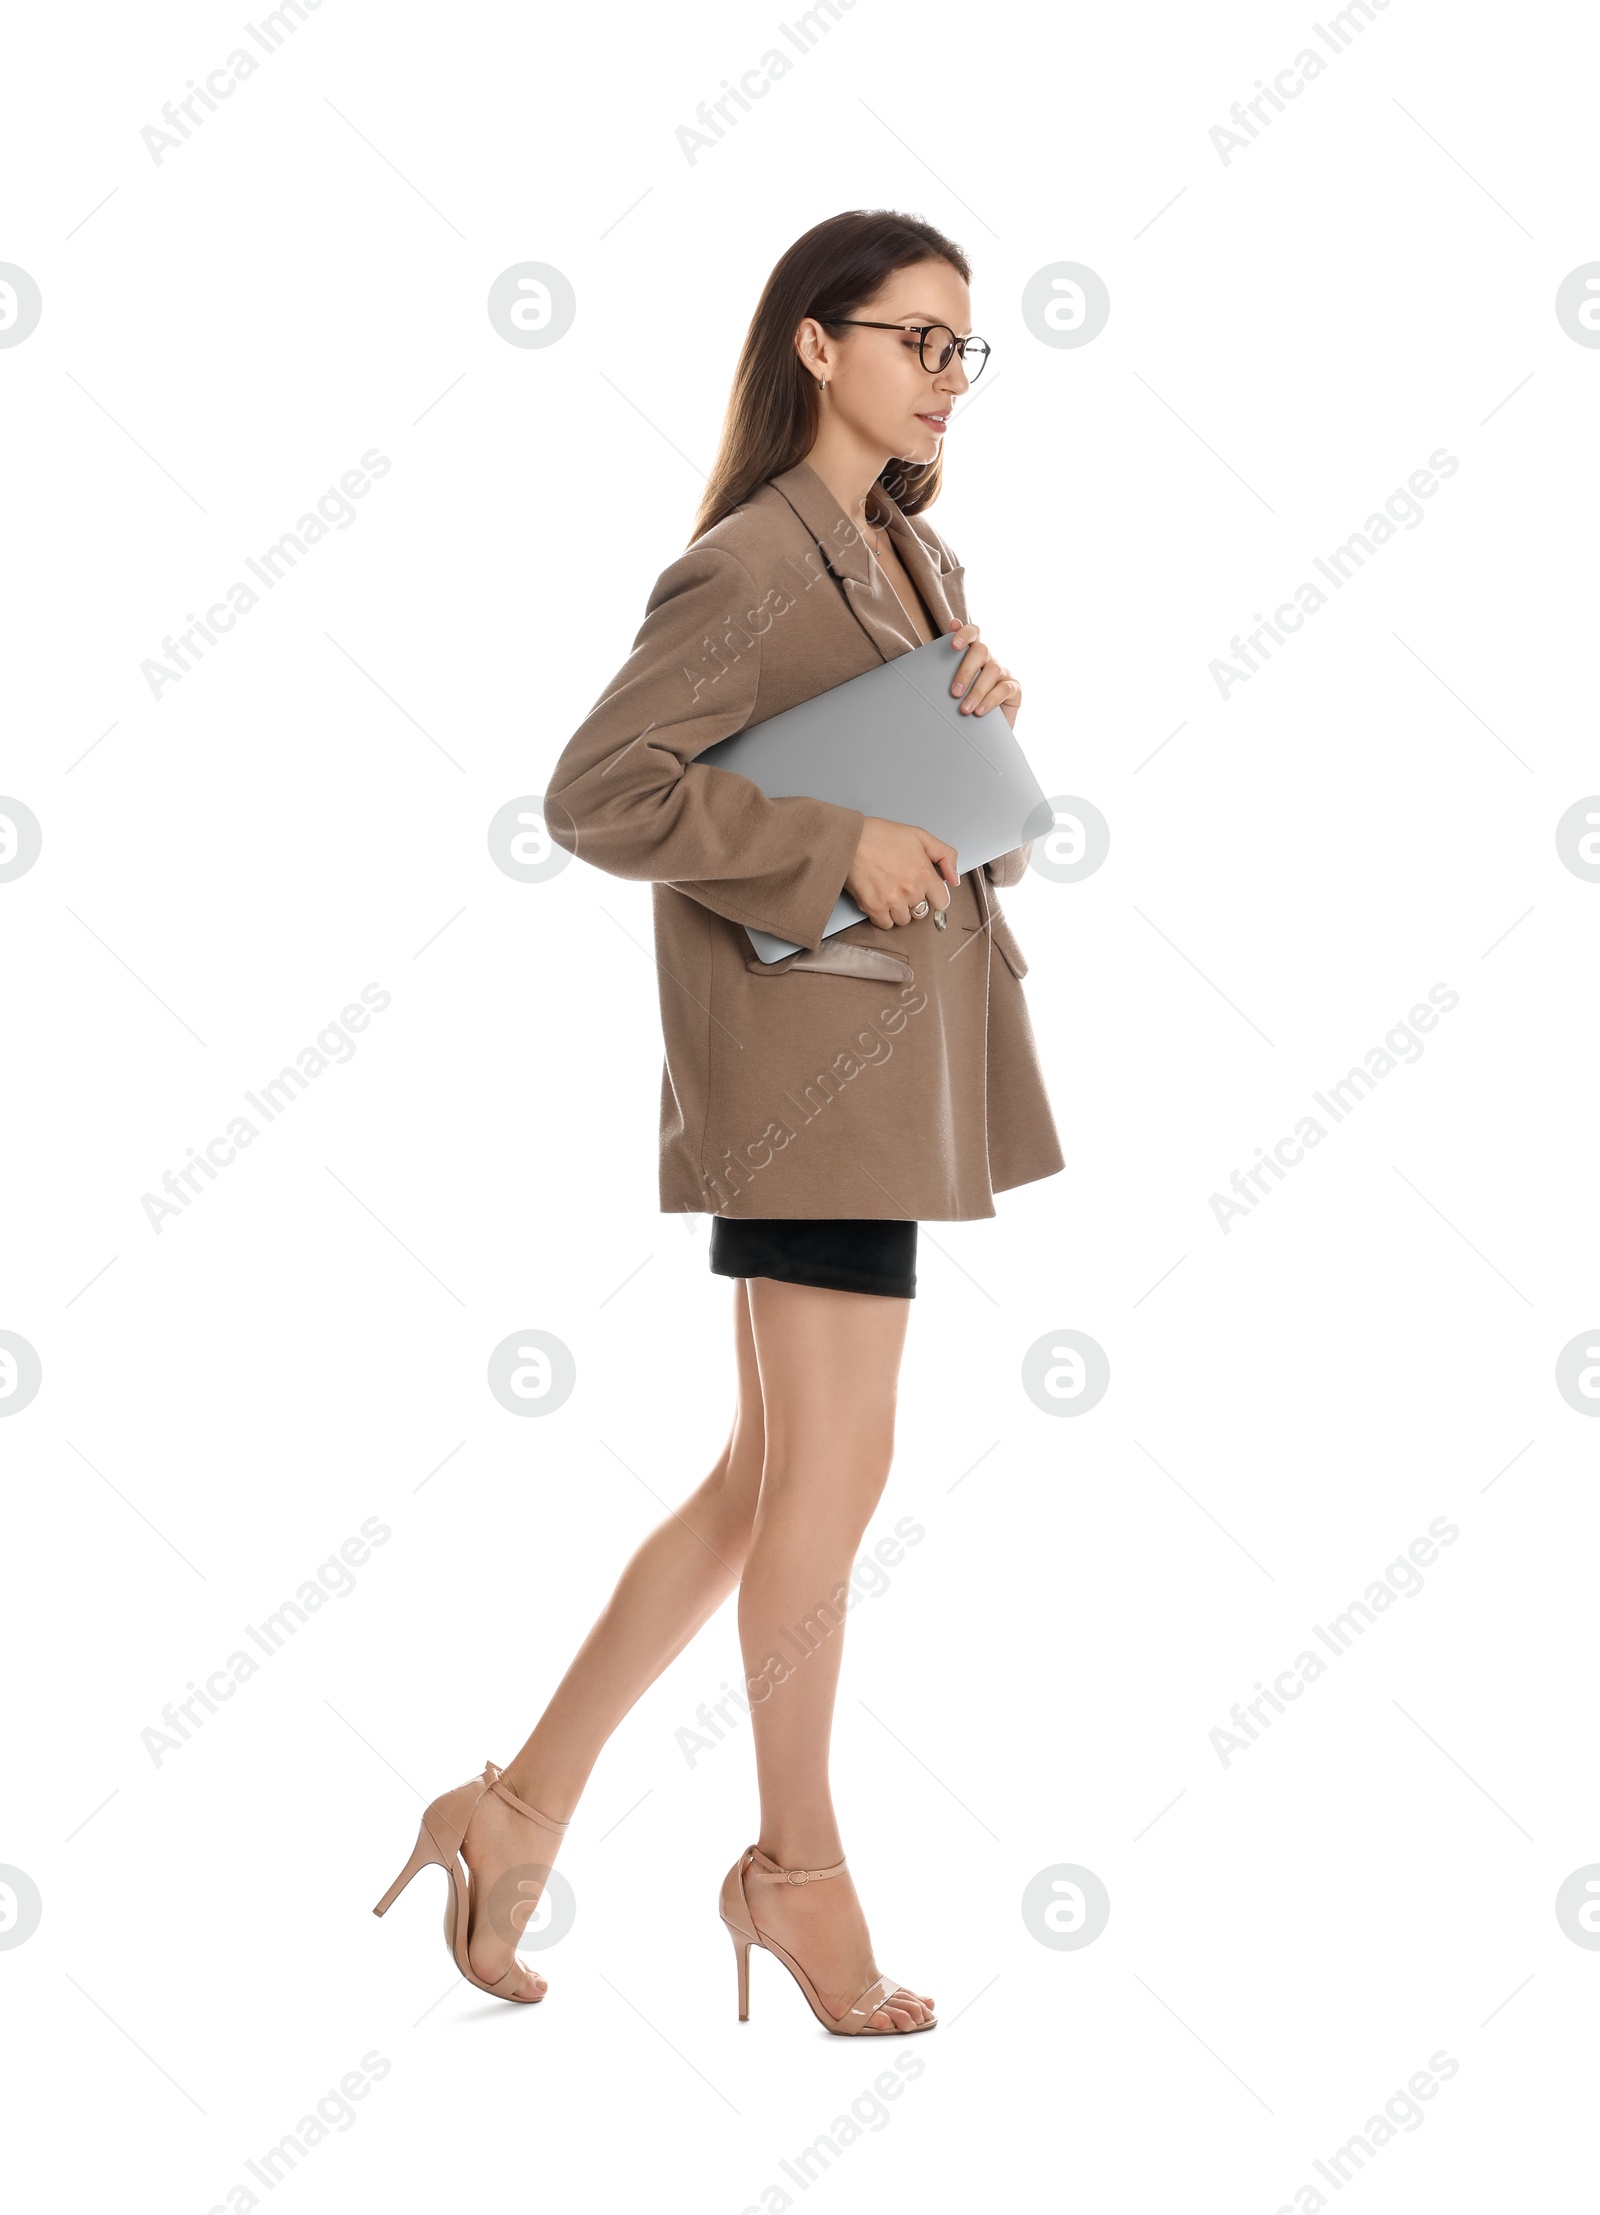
[957, 345]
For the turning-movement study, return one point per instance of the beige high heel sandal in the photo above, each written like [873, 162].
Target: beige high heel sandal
[741, 1923]
[444, 1826]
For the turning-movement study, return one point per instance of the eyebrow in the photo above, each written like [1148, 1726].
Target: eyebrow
[921, 315]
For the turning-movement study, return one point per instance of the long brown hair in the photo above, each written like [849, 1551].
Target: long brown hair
[774, 409]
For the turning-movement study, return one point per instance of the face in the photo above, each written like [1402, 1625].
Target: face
[877, 386]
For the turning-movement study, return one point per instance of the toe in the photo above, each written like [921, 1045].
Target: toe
[911, 2011]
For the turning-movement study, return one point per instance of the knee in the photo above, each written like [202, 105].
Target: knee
[848, 1484]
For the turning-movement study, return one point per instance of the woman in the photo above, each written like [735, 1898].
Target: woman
[817, 1107]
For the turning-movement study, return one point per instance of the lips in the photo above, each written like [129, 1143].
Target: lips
[936, 422]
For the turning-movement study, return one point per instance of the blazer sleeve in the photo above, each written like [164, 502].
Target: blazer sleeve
[629, 795]
[1009, 868]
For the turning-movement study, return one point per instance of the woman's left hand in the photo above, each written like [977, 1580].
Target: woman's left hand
[981, 680]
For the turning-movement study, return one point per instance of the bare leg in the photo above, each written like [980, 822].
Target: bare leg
[674, 1582]
[829, 1364]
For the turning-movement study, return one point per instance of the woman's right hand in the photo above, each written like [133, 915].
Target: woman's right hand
[896, 866]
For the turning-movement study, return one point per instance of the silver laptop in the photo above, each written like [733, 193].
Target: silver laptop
[895, 743]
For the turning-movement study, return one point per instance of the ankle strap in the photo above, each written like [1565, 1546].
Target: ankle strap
[495, 1779]
[765, 1866]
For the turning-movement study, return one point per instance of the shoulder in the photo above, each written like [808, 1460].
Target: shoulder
[708, 569]
[733, 552]
[763, 524]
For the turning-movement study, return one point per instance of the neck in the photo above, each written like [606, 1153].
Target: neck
[850, 469]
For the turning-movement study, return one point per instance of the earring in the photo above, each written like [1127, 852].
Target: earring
[823, 382]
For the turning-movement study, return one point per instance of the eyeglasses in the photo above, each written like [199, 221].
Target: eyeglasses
[974, 352]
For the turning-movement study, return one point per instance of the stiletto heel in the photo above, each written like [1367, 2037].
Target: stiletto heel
[741, 1948]
[443, 1827]
[423, 1853]
[734, 1907]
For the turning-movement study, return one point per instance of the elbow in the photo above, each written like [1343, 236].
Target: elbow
[604, 832]
[560, 823]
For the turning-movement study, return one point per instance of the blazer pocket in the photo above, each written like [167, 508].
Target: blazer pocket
[836, 957]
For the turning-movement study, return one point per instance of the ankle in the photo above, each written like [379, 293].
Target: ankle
[800, 1849]
[542, 1793]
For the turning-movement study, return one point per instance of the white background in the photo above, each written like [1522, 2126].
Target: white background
[1292, 333]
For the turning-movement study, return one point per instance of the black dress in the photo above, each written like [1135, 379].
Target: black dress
[851, 1254]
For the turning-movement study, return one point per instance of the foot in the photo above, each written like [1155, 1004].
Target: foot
[823, 1926]
[509, 1858]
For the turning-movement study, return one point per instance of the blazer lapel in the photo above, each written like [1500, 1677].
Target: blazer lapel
[931, 581]
[867, 591]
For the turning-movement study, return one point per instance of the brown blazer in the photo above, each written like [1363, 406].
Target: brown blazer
[886, 1073]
